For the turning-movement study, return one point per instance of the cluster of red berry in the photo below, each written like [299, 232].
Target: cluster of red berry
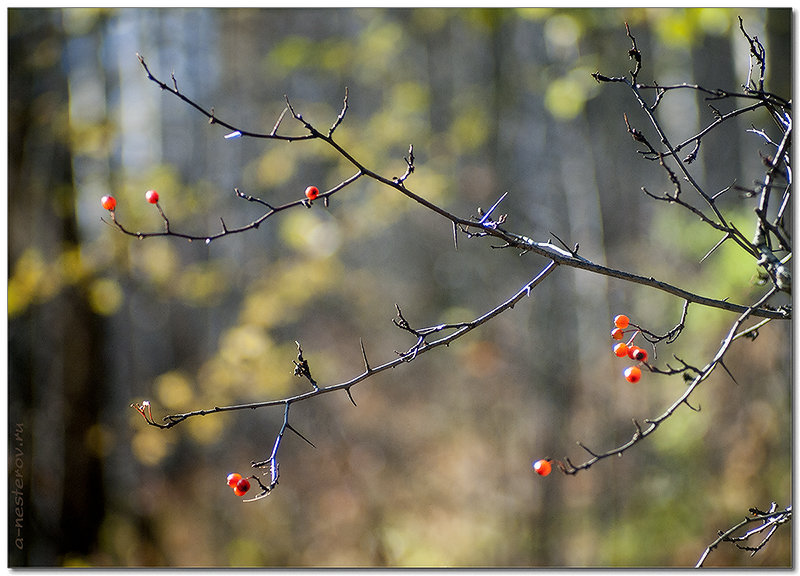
[109, 202]
[632, 373]
[240, 485]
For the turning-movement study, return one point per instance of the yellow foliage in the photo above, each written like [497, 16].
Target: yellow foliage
[245, 553]
[100, 440]
[276, 166]
[681, 28]
[174, 390]
[72, 266]
[336, 55]
[150, 445]
[566, 97]
[243, 343]
[205, 430]
[156, 261]
[377, 44]
[105, 296]
[307, 231]
[32, 281]
[203, 283]
[470, 129]
[289, 54]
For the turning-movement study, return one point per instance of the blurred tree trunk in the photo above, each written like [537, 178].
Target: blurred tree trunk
[55, 361]
[779, 51]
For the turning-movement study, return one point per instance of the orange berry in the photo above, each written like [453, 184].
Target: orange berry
[151, 196]
[108, 202]
[242, 486]
[233, 479]
[632, 374]
[621, 321]
[542, 467]
[617, 333]
[621, 349]
[312, 192]
[636, 353]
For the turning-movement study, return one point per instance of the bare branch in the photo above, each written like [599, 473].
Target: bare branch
[771, 520]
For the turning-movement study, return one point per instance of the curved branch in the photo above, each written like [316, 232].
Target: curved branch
[485, 226]
[423, 346]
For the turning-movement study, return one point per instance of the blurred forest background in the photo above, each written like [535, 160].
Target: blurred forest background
[433, 467]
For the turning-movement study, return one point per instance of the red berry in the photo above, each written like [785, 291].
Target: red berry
[617, 333]
[621, 321]
[312, 192]
[621, 349]
[151, 196]
[632, 374]
[242, 486]
[636, 353]
[108, 202]
[233, 479]
[542, 467]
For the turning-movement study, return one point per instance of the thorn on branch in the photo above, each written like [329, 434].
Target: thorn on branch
[310, 443]
[367, 369]
[721, 363]
[573, 251]
[350, 396]
[717, 245]
[582, 445]
[698, 409]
